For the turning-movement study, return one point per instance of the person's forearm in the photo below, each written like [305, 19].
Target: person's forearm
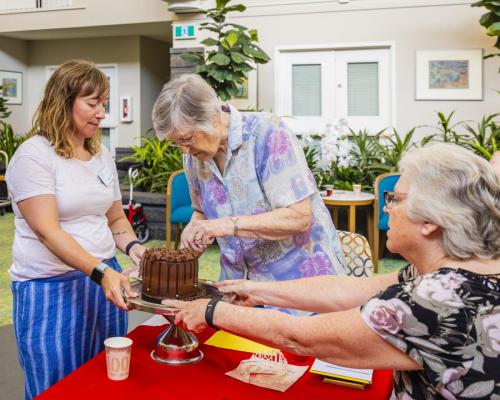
[198, 215]
[122, 232]
[272, 328]
[273, 225]
[69, 251]
[320, 294]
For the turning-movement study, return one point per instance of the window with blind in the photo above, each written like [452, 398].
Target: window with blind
[306, 90]
[362, 89]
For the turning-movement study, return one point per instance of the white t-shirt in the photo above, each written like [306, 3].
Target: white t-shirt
[84, 190]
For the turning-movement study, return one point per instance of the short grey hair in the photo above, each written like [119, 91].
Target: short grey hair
[185, 103]
[454, 188]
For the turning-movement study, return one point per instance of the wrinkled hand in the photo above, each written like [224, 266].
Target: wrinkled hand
[191, 316]
[136, 253]
[112, 284]
[245, 291]
[201, 232]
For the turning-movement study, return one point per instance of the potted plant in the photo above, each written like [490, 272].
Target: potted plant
[232, 53]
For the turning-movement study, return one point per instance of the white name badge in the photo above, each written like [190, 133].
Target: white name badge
[105, 176]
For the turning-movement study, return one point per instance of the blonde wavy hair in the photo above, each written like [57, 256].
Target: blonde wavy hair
[54, 117]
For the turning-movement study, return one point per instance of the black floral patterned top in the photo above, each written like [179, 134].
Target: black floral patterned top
[448, 321]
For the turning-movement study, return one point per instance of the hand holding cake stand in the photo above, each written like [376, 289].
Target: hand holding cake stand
[170, 274]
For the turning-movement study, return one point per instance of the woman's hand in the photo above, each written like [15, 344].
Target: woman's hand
[201, 232]
[191, 315]
[136, 253]
[112, 284]
[246, 291]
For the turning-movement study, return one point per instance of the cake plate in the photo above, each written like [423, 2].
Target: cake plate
[174, 345]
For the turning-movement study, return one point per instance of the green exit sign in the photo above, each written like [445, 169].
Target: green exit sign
[184, 32]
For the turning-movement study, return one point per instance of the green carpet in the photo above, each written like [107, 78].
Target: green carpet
[209, 264]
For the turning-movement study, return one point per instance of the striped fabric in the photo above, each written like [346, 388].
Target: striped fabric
[60, 323]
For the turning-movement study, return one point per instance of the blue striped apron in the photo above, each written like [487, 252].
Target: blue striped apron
[60, 323]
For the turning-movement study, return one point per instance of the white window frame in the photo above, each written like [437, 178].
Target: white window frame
[331, 58]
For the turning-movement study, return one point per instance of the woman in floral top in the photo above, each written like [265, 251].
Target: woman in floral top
[436, 322]
[250, 188]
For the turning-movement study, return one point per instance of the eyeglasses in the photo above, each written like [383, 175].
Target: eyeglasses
[186, 141]
[393, 198]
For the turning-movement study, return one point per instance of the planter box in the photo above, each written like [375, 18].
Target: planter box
[153, 205]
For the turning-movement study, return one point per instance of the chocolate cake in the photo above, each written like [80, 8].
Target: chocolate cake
[168, 273]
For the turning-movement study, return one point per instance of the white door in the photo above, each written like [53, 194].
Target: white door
[363, 88]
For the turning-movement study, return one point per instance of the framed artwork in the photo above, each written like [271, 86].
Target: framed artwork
[449, 75]
[126, 108]
[12, 86]
[247, 98]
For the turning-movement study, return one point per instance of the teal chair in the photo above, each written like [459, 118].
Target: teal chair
[383, 183]
[179, 210]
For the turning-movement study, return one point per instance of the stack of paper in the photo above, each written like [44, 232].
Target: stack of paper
[357, 378]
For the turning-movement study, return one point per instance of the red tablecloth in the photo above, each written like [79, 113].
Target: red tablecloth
[206, 379]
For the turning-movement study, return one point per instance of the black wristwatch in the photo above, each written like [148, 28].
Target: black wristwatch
[98, 272]
[209, 312]
[130, 245]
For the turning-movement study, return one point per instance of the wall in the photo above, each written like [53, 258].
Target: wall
[411, 24]
[85, 13]
[155, 68]
[14, 57]
[122, 51]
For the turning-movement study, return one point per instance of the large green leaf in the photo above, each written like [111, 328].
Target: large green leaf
[221, 3]
[238, 57]
[220, 59]
[210, 42]
[232, 39]
[494, 29]
[236, 7]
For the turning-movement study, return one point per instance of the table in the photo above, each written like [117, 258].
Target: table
[345, 198]
[205, 379]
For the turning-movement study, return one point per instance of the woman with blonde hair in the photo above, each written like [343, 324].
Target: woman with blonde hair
[68, 222]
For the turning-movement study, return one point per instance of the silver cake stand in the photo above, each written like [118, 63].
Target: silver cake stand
[174, 345]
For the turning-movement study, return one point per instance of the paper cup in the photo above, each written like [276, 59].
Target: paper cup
[356, 189]
[118, 351]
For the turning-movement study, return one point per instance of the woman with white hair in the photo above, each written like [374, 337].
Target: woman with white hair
[436, 322]
[250, 187]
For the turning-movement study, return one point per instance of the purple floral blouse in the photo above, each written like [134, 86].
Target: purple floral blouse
[448, 321]
[265, 169]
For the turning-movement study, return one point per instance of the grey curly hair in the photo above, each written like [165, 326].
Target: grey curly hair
[185, 103]
[459, 191]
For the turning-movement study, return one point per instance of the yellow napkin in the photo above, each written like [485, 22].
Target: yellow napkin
[226, 340]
